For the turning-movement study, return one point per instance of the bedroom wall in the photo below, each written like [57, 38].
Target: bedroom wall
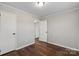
[63, 29]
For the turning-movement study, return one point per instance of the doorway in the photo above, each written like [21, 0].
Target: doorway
[43, 30]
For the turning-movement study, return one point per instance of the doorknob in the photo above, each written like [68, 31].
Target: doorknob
[13, 33]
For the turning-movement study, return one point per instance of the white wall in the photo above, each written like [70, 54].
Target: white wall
[0, 31]
[63, 29]
[25, 25]
[25, 30]
[0, 24]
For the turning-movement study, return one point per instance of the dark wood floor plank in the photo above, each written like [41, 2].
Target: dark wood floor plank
[43, 49]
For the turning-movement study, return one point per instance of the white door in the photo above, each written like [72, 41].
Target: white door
[8, 32]
[43, 30]
[37, 30]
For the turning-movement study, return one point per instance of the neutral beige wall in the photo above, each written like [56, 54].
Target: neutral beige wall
[63, 29]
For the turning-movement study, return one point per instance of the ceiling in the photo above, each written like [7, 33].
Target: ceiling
[47, 9]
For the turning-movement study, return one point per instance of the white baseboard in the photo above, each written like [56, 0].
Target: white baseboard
[64, 46]
[24, 46]
[20, 47]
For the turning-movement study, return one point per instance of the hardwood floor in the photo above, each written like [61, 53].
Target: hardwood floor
[43, 49]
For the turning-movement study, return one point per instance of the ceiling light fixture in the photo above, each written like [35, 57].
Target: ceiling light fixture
[41, 4]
